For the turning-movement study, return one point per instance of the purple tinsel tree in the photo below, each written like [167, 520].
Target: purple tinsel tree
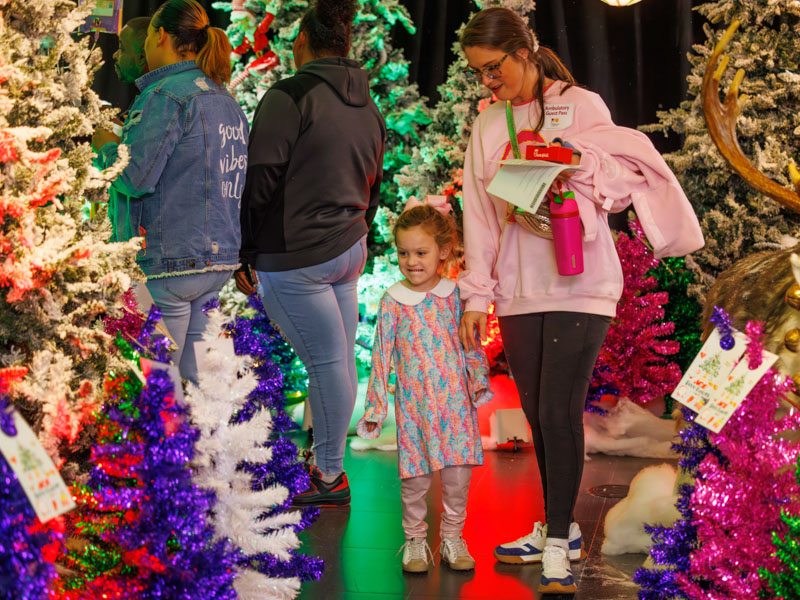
[25, 571]
[633, 362]
[257, 337]
[143, 523]
[673, 545]
[731, 512]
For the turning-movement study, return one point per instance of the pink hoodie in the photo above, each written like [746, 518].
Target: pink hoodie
[515, 268]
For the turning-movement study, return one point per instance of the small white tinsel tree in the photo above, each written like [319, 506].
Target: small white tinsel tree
[58, 275]
[253, 519]
[737, 220]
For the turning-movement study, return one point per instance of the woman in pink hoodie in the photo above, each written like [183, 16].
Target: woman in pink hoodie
[553, 326]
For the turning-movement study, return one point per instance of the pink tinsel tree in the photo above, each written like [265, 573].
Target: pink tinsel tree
[738, 499]
[634, 359]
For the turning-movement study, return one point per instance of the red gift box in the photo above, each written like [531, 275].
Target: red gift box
[556, 154]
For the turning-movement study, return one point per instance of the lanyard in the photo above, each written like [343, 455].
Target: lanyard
[512, 130]
[512, 134]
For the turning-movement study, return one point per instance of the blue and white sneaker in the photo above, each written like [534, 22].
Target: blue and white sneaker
[556, 572]
[528, 548]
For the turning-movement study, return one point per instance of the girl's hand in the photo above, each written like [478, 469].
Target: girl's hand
[466, 330]
[370, 426]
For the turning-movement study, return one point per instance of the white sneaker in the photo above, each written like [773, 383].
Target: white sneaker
[415, 555]
[455, 554]
[528, 548]
[556, 572]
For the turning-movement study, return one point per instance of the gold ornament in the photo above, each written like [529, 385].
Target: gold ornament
[792, 339]
[793, 297]
[796, 380]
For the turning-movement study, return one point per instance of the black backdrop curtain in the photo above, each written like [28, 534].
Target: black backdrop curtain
[634, 57]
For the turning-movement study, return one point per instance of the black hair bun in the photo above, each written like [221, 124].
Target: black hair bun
[333, 13]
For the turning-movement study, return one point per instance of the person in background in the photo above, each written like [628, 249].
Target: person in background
[187, 138]
[130, 63]
[313, 184]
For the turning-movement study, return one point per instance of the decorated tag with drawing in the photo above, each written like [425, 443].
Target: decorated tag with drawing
[732, 392]
[709, 371]
[46, 491]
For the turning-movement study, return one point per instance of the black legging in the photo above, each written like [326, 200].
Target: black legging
[551, 356]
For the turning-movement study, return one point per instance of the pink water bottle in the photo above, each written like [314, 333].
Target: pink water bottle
[565, 221]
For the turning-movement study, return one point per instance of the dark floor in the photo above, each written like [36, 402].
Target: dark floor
[360, 543]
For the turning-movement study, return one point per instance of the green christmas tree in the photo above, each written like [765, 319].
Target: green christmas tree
[737, 220]
[682, 309]
[398, 100]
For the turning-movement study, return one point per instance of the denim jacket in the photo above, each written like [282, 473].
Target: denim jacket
[188, 146]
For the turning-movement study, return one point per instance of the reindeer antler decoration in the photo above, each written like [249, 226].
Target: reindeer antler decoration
[721, 123]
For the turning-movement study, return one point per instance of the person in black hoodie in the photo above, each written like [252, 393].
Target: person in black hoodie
[313, 180]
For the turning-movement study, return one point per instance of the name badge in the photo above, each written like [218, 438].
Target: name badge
[558, 116]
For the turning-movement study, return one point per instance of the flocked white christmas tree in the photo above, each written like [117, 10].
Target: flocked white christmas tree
[58, 274]
[737, 220]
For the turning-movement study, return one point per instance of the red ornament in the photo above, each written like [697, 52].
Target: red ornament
[265, 59]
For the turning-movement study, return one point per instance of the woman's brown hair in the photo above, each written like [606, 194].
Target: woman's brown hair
[187, 22]
[505, 30]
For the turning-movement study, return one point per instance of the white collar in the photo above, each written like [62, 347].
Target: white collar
[405, 295]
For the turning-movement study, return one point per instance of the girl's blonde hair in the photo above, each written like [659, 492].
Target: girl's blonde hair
[187, 22]
[441, 228]
[505, 30]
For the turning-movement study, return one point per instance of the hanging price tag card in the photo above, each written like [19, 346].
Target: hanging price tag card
[46, 491]
[709, 371]
[734, 390]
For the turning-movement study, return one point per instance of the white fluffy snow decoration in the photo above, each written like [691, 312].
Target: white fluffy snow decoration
[629, 430]
[650, 500]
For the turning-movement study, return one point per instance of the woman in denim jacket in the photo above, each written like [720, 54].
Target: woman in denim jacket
[188, 159]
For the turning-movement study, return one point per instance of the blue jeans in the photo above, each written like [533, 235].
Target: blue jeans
[181, 299]
[316, 310]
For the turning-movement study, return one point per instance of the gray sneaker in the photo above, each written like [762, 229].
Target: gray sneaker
[455, 554]
[415, 555]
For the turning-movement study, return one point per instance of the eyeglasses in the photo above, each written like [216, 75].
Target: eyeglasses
[492, 71]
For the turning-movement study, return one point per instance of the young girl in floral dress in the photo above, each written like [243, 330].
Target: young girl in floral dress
[438, 386]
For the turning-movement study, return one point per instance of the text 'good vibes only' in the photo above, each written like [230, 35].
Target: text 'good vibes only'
[231, 160]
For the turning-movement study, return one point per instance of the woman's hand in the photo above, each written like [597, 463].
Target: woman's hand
[576, 157]
[244, 283]
[370, 426]
[102, 137]
[466, 330]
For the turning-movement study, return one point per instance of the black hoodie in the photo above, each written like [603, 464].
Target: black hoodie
[314, 170]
